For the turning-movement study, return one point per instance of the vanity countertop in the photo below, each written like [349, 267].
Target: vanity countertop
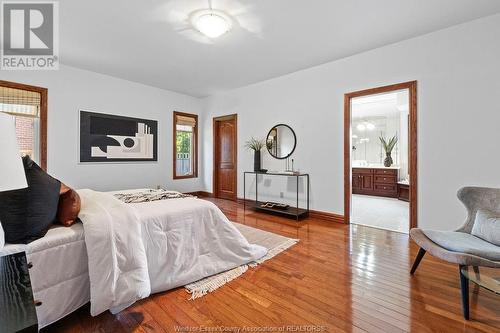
[394, 167]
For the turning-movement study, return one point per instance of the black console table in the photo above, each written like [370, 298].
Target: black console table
[17, 306]
[295, 212]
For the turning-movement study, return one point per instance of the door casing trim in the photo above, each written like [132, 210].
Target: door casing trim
[413, 163]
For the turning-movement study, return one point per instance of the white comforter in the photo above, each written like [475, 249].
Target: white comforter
[142, 248]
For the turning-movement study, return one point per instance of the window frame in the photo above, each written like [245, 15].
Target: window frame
[43, 115]
[195, 145]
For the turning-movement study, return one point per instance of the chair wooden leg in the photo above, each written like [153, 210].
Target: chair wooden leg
[420, 255]
[464, 285]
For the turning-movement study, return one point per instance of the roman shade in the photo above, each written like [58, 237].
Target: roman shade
[185, 121]
[20, 102]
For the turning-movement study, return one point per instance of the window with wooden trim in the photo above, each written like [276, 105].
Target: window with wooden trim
[28, 106]
[185, 145]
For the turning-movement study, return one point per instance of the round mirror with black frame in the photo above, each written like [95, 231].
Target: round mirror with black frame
[281, 141]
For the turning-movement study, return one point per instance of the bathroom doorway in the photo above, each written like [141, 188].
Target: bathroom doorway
[380, 157]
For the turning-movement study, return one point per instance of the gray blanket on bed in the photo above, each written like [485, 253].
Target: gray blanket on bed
[150, 195]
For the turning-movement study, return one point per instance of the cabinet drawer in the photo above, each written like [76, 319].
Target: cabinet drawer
[362, 170]
[385, 179]
[386, 172]
[385, 188]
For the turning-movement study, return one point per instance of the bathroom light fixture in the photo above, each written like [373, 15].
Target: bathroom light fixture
[365, 126]
[212, 23]
[361, 127]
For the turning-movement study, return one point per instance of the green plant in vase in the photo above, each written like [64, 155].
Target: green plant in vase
[388, 147]
[255, 145]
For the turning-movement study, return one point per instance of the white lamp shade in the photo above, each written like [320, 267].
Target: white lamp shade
[12, 176]
[2, 237]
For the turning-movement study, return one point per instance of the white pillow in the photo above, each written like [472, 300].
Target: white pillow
[487, 226]
[2, 237]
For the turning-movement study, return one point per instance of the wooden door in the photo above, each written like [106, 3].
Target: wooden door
[225, 157]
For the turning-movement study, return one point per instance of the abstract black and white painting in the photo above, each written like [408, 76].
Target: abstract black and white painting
[110, 138]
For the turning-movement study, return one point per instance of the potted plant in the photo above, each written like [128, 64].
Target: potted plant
[255, 145]
[388, 147]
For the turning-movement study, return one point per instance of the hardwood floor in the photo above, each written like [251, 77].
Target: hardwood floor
[338, 278]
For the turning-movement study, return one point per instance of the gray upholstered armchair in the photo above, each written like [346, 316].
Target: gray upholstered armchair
[460, 246]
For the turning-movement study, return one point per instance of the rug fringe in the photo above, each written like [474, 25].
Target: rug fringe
[207, 285]
[274, 252]
[201, 288]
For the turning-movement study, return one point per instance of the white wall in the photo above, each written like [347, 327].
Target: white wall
[458, 73]
[71, 89]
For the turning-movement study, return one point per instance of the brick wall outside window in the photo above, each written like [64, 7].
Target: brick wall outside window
[24, 131]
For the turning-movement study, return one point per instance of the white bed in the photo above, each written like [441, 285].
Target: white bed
[59, 276]
[168, 243]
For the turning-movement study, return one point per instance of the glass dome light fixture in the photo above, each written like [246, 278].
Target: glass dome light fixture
[210, 22]
[365, 126]
[370, 126]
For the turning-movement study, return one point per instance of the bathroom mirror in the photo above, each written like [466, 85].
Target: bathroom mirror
[281, 141]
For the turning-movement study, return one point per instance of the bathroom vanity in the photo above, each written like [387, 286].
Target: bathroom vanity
[377, 181]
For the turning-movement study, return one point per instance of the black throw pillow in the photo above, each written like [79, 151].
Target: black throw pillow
[27, 214]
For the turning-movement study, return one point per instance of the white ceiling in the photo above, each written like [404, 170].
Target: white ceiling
[153, 43]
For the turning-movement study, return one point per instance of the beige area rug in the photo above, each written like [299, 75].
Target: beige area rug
[273, 242]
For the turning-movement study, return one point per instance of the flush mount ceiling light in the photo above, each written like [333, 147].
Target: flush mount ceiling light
[361, 127]
[212, 23]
